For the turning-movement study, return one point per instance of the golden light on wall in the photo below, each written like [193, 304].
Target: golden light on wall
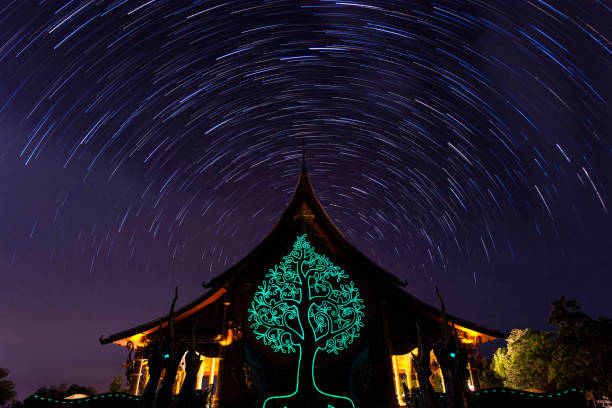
[138, 340]
[227, 340]
[208, 370]
[405, 377]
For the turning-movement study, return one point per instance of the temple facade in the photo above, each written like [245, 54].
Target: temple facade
[304, 317]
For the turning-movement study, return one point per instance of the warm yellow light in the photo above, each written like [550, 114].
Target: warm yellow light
[397, 381]
[470, 336]
[139, 340]
[77, 396]
[536, 390]
[200, 373]
[211, 379]
[228, 338]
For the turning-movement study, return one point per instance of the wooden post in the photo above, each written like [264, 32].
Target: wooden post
[200, 376]
[216, 403]
[138, 377]
[474, 377]
[386, 397]
[211, 375]
[398, 386]
[411, 385]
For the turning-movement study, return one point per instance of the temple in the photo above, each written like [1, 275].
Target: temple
[304, 313]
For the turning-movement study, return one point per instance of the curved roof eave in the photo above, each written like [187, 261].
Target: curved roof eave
[461, 323]
[201, 302]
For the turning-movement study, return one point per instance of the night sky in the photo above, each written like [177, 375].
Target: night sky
[152, 144]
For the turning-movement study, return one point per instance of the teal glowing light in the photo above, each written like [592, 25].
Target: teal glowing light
[452, 355]
[166, 356]
[306, 305]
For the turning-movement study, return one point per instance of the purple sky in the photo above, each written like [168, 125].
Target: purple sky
[148, 145]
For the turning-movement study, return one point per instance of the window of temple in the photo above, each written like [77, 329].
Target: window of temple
[180, 376]
[208, 374]
[144, 376]
[406, 379]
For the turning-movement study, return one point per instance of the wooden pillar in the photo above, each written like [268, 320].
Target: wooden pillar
[146, 378]
[398, 385]
[409, 374]
[216, 403]
[200, 376]
[137, 390]
[472, 367]
[134, 374]
[215, 368]
[474, 375]
[211, 375]
[386, 385]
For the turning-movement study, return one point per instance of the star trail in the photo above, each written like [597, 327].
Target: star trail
[145, 143]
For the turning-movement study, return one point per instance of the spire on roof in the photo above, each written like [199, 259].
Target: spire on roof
[304, 180]
[303, 154]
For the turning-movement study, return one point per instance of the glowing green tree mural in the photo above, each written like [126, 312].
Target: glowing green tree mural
[307, 305]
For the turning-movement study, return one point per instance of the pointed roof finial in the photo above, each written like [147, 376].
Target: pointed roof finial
[303, 153]
[304, 180]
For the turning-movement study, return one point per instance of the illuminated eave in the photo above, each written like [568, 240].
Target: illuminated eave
[470, 335]
[139, 337]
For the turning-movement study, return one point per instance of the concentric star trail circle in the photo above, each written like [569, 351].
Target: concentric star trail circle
[431, 128]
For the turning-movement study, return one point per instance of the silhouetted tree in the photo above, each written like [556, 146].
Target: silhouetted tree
[115, 385]
[583, 352]
[62, 391]
[7, 387]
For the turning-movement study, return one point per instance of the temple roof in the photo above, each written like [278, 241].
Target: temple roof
[303, 204]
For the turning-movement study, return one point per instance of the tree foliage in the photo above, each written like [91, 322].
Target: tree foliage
[577, 354]
[525, 363]
[115, 385]
[583, 354]
[488, 377]
[7, 387]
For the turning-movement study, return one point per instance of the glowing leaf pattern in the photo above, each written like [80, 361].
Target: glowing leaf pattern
[306, 286]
